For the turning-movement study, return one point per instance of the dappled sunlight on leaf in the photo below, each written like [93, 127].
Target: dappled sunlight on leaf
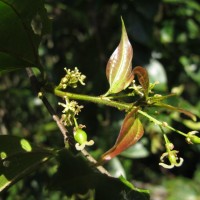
[19, 158]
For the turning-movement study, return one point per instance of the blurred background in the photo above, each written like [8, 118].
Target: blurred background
[165, 35]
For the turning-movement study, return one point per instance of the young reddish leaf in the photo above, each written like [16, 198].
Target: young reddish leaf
[185, 112]
[131, 131]
[143, 78]
[119, 69]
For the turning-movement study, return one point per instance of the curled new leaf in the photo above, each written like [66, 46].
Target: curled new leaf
[119, 69]
[131, 131]
[143, 78]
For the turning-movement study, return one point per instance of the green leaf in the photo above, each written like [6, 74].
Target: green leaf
[22, 25]
[18, 158]
[76, 176]
[191, 67]
[158, 98]
[157, 73]
[181, 188]
[143, 79]
[130, 185]
[119, 68]
[136, 151]
[131, 131]
[190, 124]
[169, 107]
[116, 168]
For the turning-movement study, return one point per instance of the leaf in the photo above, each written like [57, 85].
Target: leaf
[185, 112]
[192, 72]
[22, 25]
[76, 176]
[143, 79]
[182, 188]
[119, 68]
[158, 98]
[136, 151]
[18, 158]
[131, 131]
[116, 168]
[157, 73]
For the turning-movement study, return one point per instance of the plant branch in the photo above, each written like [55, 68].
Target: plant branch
[161, 124]
[120, 105]
[36, 85]
[99, 99]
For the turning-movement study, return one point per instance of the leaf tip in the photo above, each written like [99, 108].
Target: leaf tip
[122, 21]
[123, 27]
[106, 157]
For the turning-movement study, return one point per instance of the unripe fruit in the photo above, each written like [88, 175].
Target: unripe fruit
[80, 136]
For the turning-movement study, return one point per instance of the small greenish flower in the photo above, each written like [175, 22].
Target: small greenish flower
[72, 78]
[80, 137]
[192, 138]
[171, 154]
[137, 89]
[152, 85]
[71, 109]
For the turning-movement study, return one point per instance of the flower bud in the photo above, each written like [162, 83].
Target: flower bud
[192, 138]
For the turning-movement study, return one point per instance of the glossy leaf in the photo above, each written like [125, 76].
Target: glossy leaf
[119, 68]
[131, 131]
[143, 78]
[18, 158]
[22, 25]
[169, 107]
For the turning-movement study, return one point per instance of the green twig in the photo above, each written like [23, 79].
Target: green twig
[159, 123]
[37, 88]
[98, 100]
[120, 105]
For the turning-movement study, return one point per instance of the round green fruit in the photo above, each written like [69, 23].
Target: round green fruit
[80, 136]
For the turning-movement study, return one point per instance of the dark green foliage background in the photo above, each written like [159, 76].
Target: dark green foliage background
[84, 34]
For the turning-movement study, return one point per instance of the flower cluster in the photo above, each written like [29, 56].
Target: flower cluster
[137, 89]
[72, 78]
[71, 109]
[171, 154]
